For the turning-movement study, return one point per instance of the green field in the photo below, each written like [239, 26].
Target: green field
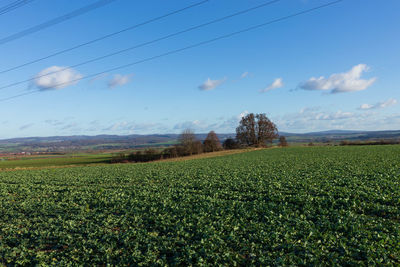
[293, 206]
[54, 161]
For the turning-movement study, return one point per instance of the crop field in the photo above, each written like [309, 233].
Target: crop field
[53, 161]
[290, 206]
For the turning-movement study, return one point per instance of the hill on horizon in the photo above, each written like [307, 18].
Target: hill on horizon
[137, 141]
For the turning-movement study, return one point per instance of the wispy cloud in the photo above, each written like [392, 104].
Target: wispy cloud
[211, 84]
[309, 109]
[26, 126]
[316, 119]
[226, 125]
[229, 124]
[126, 127]
[71, 126]
[340, 82]
[277, 83]
[54, 122]
[316, 114]
[339, 115]
[244, 74]
[194, 125]
[383, 104]
[56, 77]
[119, 80]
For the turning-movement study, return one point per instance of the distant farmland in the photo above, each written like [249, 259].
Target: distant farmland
[284, 206]
[116, 142]
[41, 161]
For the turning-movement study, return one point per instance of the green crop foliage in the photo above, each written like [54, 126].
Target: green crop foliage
[293, 206]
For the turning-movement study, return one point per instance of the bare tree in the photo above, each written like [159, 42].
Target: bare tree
[212, 143]
[187, 141]
[197, 147]
[282, 141]
[266, 130]
[256, 130]
[246, 131]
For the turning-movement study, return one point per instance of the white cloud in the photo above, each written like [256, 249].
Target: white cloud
[383, 104]
[309, 109]
[277, 83]
[366, 106]
[223, 125]
[244, 74]
[316, 119]
[340, 82]
[119, 80]
[211, 84]
[315, 114]
[339, 115]
[125, 127]
[228, 125]
[194, 125]
[56, 77]
[241, 115]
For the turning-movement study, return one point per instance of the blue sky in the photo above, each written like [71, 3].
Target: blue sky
[334, 68]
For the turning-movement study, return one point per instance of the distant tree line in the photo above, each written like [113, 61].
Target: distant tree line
[187, 145]
[254, 130]
[369, 142]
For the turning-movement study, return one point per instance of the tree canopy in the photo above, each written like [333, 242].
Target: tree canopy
[212, 143]
[256, 130]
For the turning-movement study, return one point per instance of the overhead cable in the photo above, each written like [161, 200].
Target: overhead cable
[143, 44]
[184, 48]
[105, 36]
[58, 20]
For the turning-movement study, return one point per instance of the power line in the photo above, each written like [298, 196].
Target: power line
[185, 48]
[55, 21]
[14, 5]
[144, 44]
[105, 36]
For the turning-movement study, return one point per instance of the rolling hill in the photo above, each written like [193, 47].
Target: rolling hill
[118, 142]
